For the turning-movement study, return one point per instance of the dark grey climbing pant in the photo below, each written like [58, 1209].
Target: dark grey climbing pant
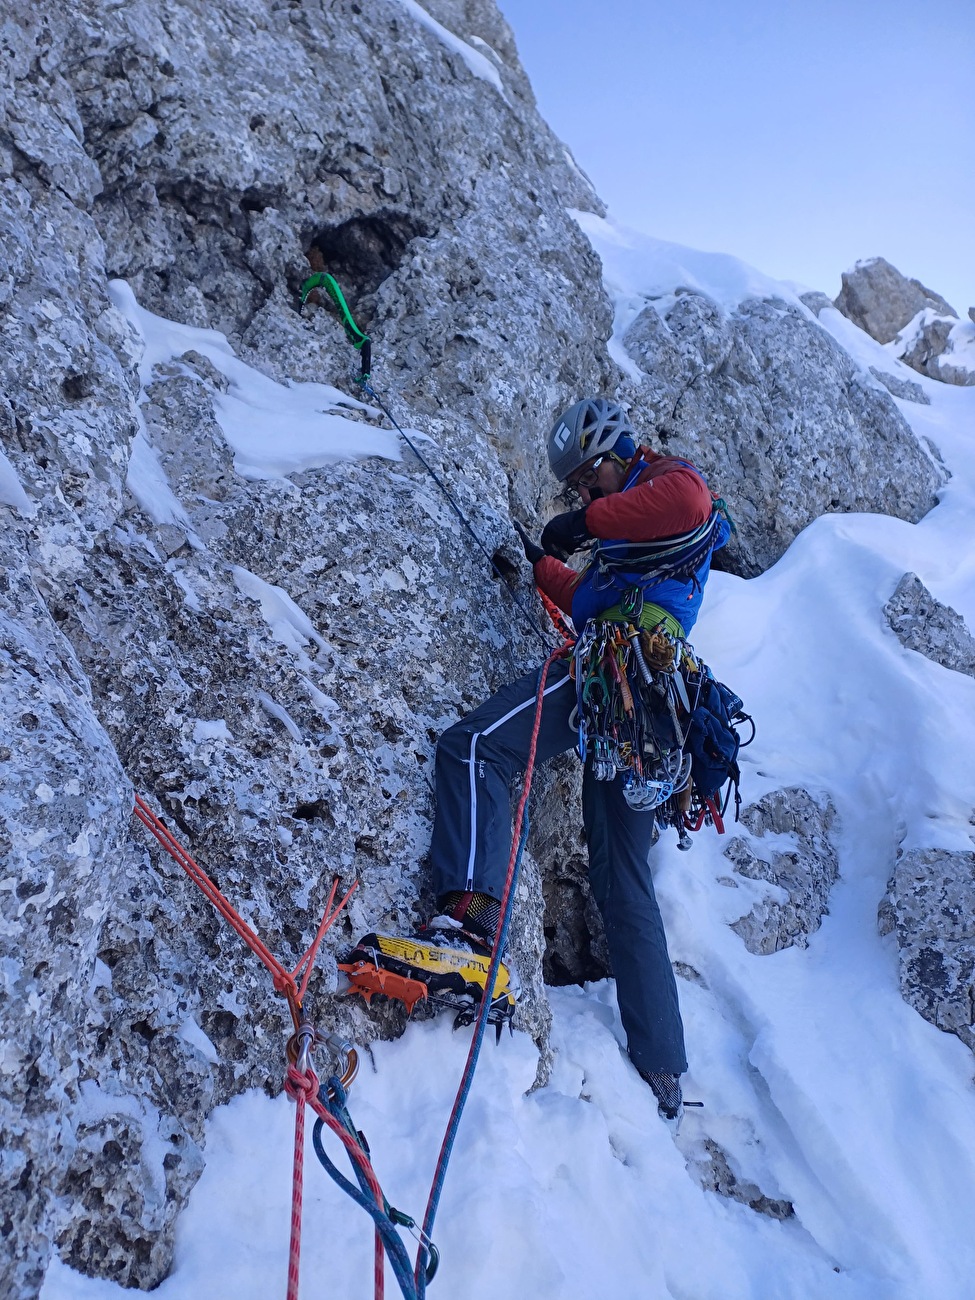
[476, 761]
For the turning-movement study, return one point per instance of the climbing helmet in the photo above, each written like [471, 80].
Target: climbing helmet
[593, 426]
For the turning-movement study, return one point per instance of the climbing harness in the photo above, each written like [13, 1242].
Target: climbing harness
[302, 1085]
[363, 345]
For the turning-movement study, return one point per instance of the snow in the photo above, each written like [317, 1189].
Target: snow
[274, 429]
[820, 1083]
[214, 729]
[961, 345]
[289, 624]
[479, 64]
[191, 1033]
[12, 490]
[283, 716]
[146, 480]
[638, 269]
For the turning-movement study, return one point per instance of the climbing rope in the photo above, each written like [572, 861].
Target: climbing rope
[302, 1086]
[301, 1082]
[363, 345]
[518, 840]
[285, 981]
[386, 1218]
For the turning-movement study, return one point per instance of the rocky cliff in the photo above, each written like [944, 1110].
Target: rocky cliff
[918, 325]
[269, 656]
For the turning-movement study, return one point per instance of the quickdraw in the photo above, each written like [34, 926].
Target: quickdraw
[359, 340]
[639, 696]
[363, 345]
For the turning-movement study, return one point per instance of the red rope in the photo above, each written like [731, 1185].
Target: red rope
[297, 1184]
[303, 1088]
[300, 1087]
[486, 1000]
[559, 620]
[284, 980]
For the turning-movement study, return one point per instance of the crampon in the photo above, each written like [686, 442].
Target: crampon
[417, 970]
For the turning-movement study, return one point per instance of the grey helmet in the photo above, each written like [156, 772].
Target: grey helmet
[591, 427]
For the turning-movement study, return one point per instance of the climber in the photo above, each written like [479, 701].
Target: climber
[630, 501]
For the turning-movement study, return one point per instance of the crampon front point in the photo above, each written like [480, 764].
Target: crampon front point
[417, 970]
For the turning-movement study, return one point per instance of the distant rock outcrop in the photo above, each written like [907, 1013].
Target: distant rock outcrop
[881, 301]
[920, 327]
[941, 347]
[930, 907]
[929, 627]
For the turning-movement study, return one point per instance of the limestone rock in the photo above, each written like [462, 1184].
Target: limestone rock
[208, 155]
[875, 296]
[802, 872]
[896, 385]
[929, 627]
[816, 301]
[906, 389]
[941, 347]
[778, 415]
[930, 907]
[711, 1167]
[64, 817]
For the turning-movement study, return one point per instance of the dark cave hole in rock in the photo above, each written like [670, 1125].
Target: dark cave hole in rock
[503, 567]
[77, 387]
[363, 251]
[314, 810]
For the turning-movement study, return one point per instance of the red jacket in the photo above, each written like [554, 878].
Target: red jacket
[667, 499]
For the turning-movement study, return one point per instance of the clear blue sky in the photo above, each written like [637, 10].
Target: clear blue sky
[798, 136]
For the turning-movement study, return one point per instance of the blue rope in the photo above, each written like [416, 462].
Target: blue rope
[468, 1079]
[362, 1195]
[368, 389]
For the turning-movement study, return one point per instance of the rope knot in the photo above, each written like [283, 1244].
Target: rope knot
[301, 1084]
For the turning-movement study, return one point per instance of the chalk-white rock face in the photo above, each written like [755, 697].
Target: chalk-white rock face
[270, 659]
[875, 296]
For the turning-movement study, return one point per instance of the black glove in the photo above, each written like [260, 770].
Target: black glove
[566, 533]
[533, 552]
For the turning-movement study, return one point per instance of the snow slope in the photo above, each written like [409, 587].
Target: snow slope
[822, 1085]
